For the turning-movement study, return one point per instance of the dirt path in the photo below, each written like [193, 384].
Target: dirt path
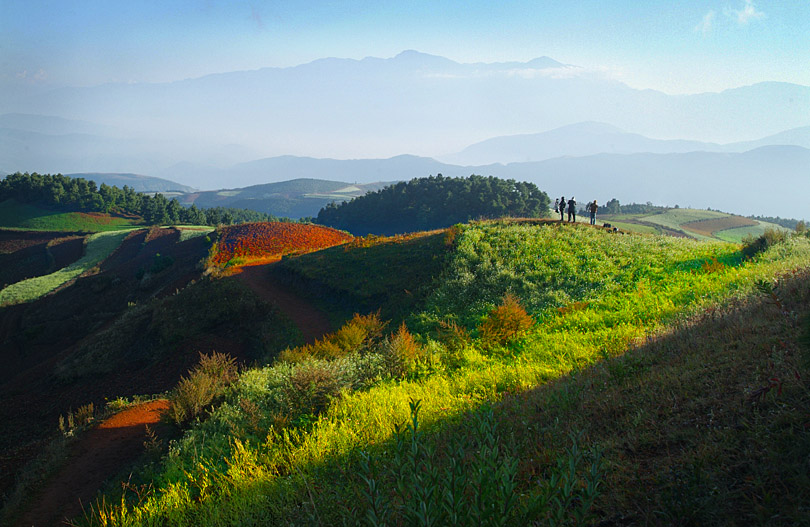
[94, 458]
[311, 322]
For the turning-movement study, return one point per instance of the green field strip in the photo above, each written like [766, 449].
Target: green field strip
[99, 246]
[25, 216]
[736, 235]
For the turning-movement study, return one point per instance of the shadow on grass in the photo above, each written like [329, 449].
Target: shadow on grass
[704, 424]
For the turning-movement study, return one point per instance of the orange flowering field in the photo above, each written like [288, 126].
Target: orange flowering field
[271, 240]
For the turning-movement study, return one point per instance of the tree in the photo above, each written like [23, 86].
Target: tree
[613, 206]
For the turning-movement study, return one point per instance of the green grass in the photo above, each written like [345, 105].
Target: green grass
[98, 247]
[633, 227]
[675, 218]
[737, 235]
[595, 296]
[187, 232]
[30, 217]
[387, 273]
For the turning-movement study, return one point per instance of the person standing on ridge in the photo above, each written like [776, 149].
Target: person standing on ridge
[562, 208]
[592, 208]
[572, 209]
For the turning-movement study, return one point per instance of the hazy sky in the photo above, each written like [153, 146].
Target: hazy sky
[675, 47]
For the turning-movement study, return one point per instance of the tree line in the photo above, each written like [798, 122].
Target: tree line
[81, 195]
[433, 203]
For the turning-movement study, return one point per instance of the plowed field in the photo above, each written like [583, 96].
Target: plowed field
[710, 226]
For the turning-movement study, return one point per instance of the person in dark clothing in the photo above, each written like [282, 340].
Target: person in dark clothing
[562, 208]
[592, 208]
[572, 210]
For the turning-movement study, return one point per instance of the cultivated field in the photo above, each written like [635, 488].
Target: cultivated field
[25, 216]
[257, 242]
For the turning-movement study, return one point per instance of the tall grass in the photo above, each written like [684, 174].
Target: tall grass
[263, 457]
[98, 247]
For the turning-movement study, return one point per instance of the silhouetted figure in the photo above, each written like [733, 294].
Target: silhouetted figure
[592, 208]
[572, 210]
[562, 208]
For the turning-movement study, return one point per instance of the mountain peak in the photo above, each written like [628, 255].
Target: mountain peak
[413, 57]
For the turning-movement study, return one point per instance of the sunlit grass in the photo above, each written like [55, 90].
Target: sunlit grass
[98, 247]
[595, 295]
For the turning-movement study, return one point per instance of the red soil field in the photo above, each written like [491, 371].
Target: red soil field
[272, 240]
[96, 456]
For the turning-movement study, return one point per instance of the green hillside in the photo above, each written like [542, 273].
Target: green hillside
[296, 198]
[648, 377]
[693, 223]
[28, 216]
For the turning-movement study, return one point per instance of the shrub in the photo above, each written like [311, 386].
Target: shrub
[506, 323]
[310, 388]
[205, 383]
[753, 246]
[401, 352]
[361, 334]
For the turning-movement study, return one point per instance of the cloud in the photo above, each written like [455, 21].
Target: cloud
[747, 13]
[706, 24]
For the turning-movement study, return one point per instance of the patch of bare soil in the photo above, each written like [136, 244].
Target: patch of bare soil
[100, 454]
[310, 321]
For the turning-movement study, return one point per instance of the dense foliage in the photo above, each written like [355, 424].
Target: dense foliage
[78, 194]
[435, 202]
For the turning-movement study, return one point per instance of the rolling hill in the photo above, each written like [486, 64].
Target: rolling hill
[296, 198]
[513, 331]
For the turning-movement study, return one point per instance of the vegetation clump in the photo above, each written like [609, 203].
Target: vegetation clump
[78, 194]
[434, 203]
[753, 246]
[506, 323]
[205, 383]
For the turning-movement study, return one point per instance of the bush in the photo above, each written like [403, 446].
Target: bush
[360, 334]
[311, 387]
[205, 383]
[506, 323]
[753, 246]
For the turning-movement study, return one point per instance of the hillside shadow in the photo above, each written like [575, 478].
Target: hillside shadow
[690, 423]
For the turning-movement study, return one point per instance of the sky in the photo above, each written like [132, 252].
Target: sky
[674, 47]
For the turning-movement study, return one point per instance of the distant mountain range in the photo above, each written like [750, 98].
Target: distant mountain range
[412, 103]
[771, 180]
[242, 129]
[294, 199]
[136, 182]
[590, 138]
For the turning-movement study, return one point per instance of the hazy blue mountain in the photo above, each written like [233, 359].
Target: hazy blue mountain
[295, 199]
[580, 139]
[590, 138]
[414, 103]
[772, 180]
[796, 136]
[136, 182]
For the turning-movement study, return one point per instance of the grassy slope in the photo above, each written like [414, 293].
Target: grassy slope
[30, 217]
[387, 273]
[99, 246]
[737, 235]
[227, 470]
